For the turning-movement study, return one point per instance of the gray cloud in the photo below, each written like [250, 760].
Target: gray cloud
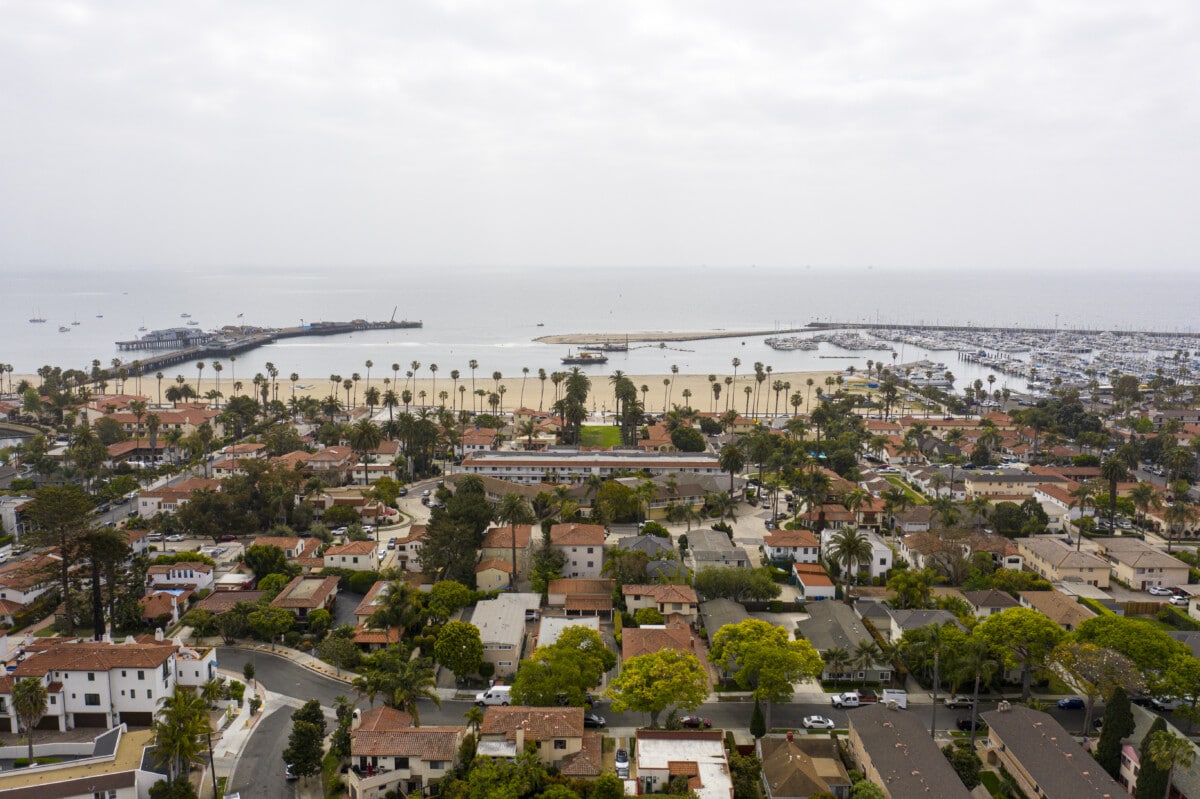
[947, 135]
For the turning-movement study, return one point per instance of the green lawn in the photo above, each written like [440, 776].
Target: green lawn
[601, 436]
[991, 781]
[913, 496]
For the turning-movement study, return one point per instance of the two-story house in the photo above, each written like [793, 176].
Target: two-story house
[582, 546]
[388, 754]
[669, 600]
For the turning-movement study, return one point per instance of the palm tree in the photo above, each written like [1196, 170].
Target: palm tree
[1168, 750]
[181, 720]
[1178, 516]
[837, 661]
[412, 682]
[454, 375]
[542, 378]
[731, 460]
[1113, 471]
[1144, 498]
[29, 698]
[1080, 498]
[369, 364]
[866, 653]
[364, 437]
[514, 510]
[975, 660]
[849, 548]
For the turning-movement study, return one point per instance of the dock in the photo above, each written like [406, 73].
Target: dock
[234, 339]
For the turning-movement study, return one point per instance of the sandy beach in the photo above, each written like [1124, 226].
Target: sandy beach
[517, 392]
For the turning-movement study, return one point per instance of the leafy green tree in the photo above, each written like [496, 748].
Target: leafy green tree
[688, 439]
[643, 616]
[715, 582]
[654, 682]
[178, 788]
[60, 519]
[272, 584]
[1142, 641]
[1024, 638]
[760, 658]
[447, 598]
[1118, 724]
[340, 651]
[29, 698]
[318, 622]
[305, 748]
[866, 790]
[269, 623]
[268, 559]
[964, 762]
[410, 682]
[459, 648]
[911, 588]
[563, 672]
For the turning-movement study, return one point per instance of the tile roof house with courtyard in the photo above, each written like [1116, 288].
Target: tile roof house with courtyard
[1044, 758]
[797, 766]
[409, 546]
[1140, 566]
[303, 595]
[353, 555]
[578, 596]
[669, 600]
[557, 733]
[650, 638]
[582, 546]
[293, 546]
[388, 754]
[498, 543]
[893, 750]
[800, 546]
[185, 574]
[835, 624]
[1056, 606]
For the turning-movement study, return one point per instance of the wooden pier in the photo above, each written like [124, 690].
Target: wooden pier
[235, 340]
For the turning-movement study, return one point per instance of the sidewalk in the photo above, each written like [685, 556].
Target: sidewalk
[296, 656]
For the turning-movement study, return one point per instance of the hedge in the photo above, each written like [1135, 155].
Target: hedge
[1177, 618]
[1095, 606]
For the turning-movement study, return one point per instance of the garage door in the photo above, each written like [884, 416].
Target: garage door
[91, 720]
[138, 719]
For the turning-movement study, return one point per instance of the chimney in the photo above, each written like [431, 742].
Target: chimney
[789, 736]
[158, 634]
[520, 733]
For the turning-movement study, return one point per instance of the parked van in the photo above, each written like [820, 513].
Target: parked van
[894, 695]
[496, 695]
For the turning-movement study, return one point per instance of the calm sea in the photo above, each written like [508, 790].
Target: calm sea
[493, 316]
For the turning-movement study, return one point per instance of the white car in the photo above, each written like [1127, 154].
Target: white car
[1180, 601]
[175, 537]
[1158, 590]
[817, 723]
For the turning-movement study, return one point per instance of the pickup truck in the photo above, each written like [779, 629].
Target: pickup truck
[849, 699]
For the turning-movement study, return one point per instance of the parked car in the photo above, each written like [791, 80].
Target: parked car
[403, 492]
[695, 722]
[817, 723]
[154, 536]
[622, 763]
[593, 721]
[964, 724]
[1071, 703]
[288, 773]
[1158, 590]
[1164, 703]
[958, 700]
[1180, 601]
[850, 699]
[175, 537]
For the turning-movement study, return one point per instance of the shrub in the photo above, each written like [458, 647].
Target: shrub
[1177, 618]
[361, 582]
[655, 529]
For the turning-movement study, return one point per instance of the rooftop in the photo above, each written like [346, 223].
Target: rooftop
[908, 761]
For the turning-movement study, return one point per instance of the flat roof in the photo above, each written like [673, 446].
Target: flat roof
[36, 783]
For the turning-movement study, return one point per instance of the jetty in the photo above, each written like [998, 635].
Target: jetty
[236, 339]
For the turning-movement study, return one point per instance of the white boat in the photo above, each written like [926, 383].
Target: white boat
[193, 322]
[64, 329]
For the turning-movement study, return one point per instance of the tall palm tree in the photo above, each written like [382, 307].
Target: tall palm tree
[850, 549]
[542, 395]
[514, 510]
[454, 375]
[1144, 499]
[364, 437]
[181, 721]
[837, 661]
[474, 717]
[414, 681]
[369, 364]
[1113, 471]
[1178, 516]
[1168, 751]
[29, 698]
[1080, 498]
[975, 660]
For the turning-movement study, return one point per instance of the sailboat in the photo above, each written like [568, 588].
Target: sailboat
[37, 319]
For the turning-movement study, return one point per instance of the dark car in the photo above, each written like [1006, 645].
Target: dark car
[1071, 703]
[695, 722]
[403, 492]
[593, 721]
[964, 724]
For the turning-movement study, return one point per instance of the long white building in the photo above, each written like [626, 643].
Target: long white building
[575, 466]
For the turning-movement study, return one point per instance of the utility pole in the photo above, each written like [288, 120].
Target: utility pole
[212, 766]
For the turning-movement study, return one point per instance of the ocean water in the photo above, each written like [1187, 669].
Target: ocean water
[492, 315]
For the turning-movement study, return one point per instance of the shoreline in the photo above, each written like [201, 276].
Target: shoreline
[658, 396]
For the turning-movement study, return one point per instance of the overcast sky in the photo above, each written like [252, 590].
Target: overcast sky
[902, 134]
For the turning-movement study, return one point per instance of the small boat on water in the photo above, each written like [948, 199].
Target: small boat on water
[584, 357]
[541, 324]
[37, 319]
[142, 329]
[75, 323]
[185, 316]
[64, 329]
[193, 322]
[99, 316]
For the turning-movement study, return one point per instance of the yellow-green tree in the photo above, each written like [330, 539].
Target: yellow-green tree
[762, 659]
[658, 681]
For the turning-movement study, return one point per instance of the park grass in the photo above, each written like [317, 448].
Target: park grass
[913, 496]
[600, 436]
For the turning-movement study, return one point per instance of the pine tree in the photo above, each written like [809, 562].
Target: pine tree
[1118, 723]
[1152, 780]
[304, 750]
[758, 724]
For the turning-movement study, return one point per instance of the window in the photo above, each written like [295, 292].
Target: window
[401, 762]
[560, 743]
[124, 673]
[53, 699]
[149, 694]
[91, 676]
[141, 675]
[437, 765]
[91, 700]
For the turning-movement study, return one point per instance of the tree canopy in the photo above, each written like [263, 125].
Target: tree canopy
[657, 681]
[563, 672]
